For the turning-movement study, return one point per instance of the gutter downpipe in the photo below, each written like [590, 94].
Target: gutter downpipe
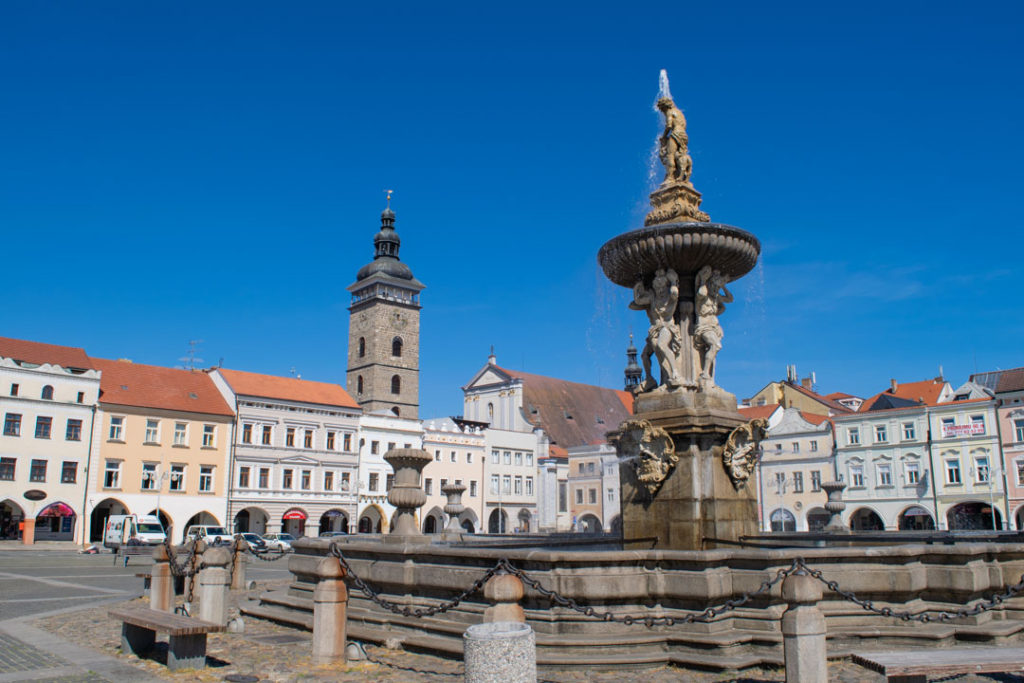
[87, 473]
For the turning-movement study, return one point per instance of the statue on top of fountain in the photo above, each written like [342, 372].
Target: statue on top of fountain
[673, 144]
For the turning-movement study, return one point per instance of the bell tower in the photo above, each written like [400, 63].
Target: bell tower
[384, 329]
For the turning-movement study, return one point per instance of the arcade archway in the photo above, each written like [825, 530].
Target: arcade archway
[916, 518]
[497, 522]
[334, 520]
[866, 519]
[973, 516]
[100, 513]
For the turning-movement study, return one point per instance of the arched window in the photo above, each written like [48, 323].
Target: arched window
[396, 347]
[490, 411]
[48, 392]
[396, 411]
[396, 384]
[362, 347]
[359, 384]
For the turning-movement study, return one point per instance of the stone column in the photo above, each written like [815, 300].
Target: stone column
[500, 652]
[238, 551]
[835, 506]
[330, 608]
[504, 591]
[803, 630]
[213, 586]
[28, 532]
[406, 493]
[161, 583]
[454, 507]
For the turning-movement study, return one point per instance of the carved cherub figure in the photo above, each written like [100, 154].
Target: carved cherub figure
[673, 144]
[711, 297]
[663, 338]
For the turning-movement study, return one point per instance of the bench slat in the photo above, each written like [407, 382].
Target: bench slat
[164, 622]
[943, 661]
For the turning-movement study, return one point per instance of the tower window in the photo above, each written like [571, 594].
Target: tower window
[396, 384]
[396, 347]
[362, 348]
[359, 383]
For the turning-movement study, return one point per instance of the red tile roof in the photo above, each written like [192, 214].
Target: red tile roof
[827, 402]
[836, 395]
[39, 353]
[569, 411]
[287, 388]
[813, 418]
[754, 412]
[926, 391]
[125, 383]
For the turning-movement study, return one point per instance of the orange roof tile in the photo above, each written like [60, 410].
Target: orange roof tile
[813, 418]
[926, 391]
[39, 353]
[287, 388]
[754, 412]
[149, 386]
[827, 402]
[836, 395]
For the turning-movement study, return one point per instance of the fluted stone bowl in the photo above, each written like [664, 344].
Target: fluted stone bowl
[684, 247]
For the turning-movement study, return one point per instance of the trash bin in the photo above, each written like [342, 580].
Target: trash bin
[500, 652]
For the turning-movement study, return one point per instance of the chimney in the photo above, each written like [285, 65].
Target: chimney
[807, 383]
[893, 386]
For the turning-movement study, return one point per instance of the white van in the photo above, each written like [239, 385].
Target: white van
[120, 529]
[212, 535]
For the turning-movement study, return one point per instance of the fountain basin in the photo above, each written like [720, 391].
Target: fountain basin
[684, 247]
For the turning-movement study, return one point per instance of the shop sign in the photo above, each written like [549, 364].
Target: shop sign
[34, 494]
[962, 430]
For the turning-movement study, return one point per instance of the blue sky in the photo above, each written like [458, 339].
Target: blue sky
[215, 171]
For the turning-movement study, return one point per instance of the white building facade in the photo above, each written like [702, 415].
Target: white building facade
[379, 433]
[459, 449]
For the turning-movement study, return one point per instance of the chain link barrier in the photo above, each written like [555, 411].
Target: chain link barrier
[260, 556]
[798, 568]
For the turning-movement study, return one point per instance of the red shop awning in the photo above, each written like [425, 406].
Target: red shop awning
[294, 514]
[56, 510]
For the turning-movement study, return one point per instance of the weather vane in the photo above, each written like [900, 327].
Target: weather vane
[389, 197]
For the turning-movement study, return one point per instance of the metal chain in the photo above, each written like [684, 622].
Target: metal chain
[405, 610]
[984, 605]
[183, 568]
[260, 557]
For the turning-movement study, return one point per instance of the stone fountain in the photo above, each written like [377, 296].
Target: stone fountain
[687, 455]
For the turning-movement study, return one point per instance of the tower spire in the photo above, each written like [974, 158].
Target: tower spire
[634, 375]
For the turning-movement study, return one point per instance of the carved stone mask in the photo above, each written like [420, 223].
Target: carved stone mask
[651, 451]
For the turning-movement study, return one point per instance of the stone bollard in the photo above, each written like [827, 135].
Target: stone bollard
[504, 591]
[161, 582]
[500, 652]
[803, 630]
[238, 550]
[330, 607]
[214, 580]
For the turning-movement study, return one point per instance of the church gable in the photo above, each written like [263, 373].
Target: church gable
[489, 376]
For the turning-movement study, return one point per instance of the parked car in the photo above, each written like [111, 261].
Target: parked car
[213, 535]
[281, 543]
[329, 534]
[255, 541]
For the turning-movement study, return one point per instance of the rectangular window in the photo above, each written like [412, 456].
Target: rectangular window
[857, 476]
[592, 496]
[518, 490]
[375, 447]
[1020, 472]
[508, 457]
[454, 458]
[814, 446]
[7, 469]
[307, 439]
[1018, 431]
[529, 459]
[469, 458]
[581, 468]
[177, 478]
[289, 437]
[389, 481]
[798, 482]
[391, 446]
[981, 469]
[307, 480]
[437, 455]
[590, 468]
[778, 448]
[884, 475]
[180, 433]
[12, 424]
[148, 476]
[853, 436]
[780, 483]
[796, 446]
[529, 486]
[881, 434]
[152, 431]
[909, 433]
[345, 481]
[247, 432]
[495, 458]
[346, 441]
[579, 496]
[264, 477]
[69, 472]
[206, 478]
[495, 483]
[611, 495]
[328, 481]
[14, 390]
[374, 481]
[81, 397]
[563, 497]
[472, 488]
[243, 477]
[953, 471]
[267, 432]
[37, 472]
[506, 484]
[519, 458]
[978, 422]
[428, 486]
[116, 429]
[43, 425]
[815, 480]
[913, 473]
[112, 474]
[74, 431]
[330, 441]
[444, 482]
[209, 436]
[286, 479]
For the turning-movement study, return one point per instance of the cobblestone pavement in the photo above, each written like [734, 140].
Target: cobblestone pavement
[275, 653]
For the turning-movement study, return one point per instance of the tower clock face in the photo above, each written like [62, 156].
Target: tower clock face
[400, 321]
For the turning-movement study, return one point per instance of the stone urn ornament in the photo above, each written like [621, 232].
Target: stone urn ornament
[454, 507]
[406, 492]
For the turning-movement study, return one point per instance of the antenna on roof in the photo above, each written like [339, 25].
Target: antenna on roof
[292, 371]
[189, 360]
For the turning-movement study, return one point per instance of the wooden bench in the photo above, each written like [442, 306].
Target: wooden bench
[186, 636]
[127, 551]
[914, 666]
